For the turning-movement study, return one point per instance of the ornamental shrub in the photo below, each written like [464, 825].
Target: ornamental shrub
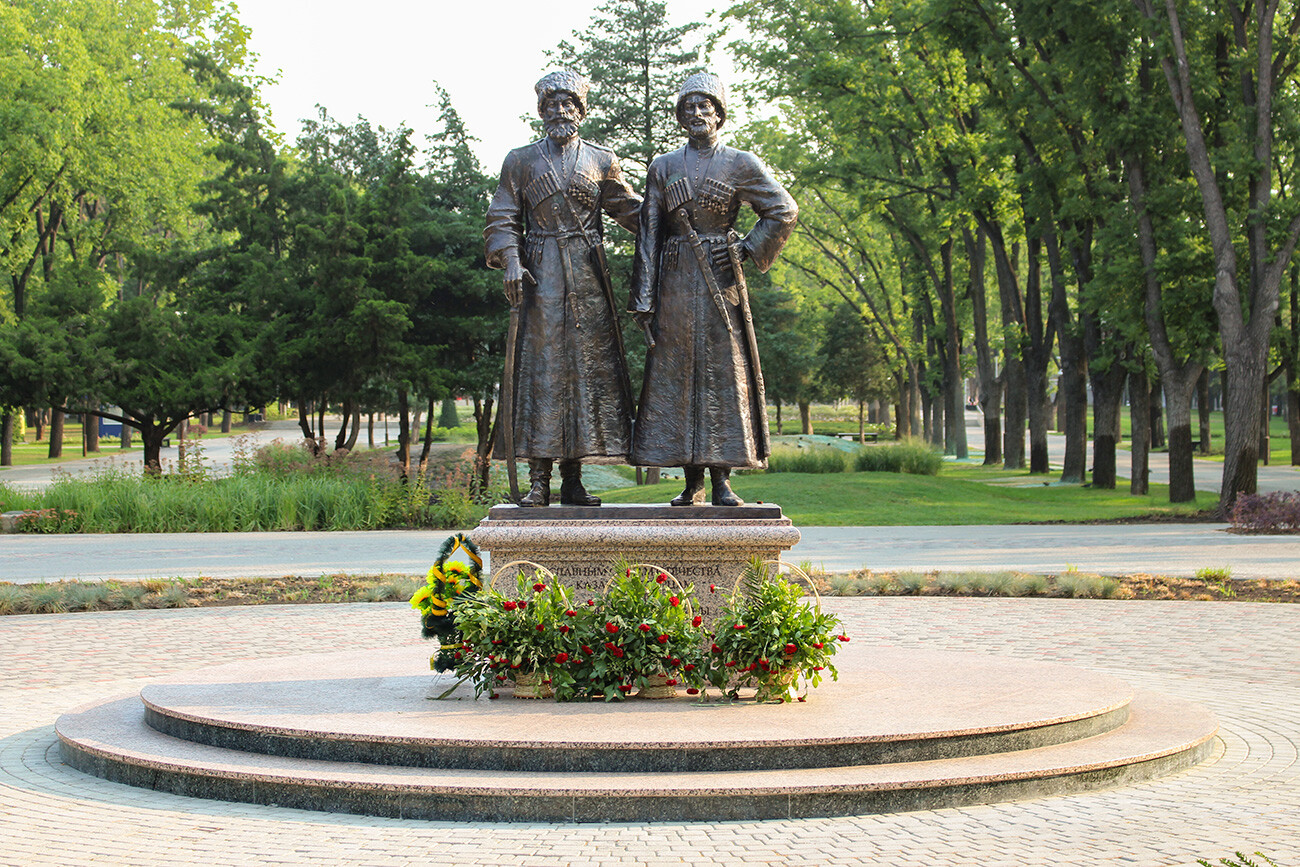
[911, 455]
[1278, 512]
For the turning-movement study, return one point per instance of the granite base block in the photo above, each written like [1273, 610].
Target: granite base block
[698, 545]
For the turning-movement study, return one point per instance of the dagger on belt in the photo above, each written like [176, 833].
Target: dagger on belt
[683, 215]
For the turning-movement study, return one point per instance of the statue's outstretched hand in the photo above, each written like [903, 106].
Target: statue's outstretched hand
[516, 277]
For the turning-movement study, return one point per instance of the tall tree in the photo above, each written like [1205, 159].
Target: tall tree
[1225, 75]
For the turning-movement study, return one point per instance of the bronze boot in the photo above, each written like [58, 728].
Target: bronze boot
[572, 493]
[722, 493]
[694, 493]
[539, 476]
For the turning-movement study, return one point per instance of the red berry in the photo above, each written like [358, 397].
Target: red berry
[508, 605]
[644, 627]
[670, 683]
[591, 601]
[494, 695]
[618, 652]
[522, 605]
[716, 649]
[732, 663]
[571, 613]
[663, 639]
[790, 649]
[673, 600]
[539, 587]
[541, 627]
[561, 657]
[713, 589]
[738, 626]
[662, 578]
[842, 637]
[819, 645]
[690, 666]
[697, 621]
[692, 691]
[586, 650]
[564, 627]
[611, 627]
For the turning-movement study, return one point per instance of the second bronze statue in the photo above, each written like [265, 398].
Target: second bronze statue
[703, 405]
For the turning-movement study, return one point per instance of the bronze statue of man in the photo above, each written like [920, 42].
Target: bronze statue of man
[572, 397]
[702, 404]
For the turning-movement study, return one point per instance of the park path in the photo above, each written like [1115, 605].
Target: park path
[1165, 549]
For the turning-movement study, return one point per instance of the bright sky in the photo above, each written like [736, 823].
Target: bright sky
[379, 59]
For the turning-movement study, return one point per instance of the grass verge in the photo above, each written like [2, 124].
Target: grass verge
[73, 596]
[960, 494]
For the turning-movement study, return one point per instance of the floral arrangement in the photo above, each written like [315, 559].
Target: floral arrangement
[769, 638]
[447, 579]
[502, 637]
[642, 633]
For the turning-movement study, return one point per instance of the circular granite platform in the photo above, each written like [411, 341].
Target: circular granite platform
[367, 732]
[384, 708]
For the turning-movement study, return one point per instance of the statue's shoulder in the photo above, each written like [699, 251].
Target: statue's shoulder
[522, 155]
[661, 163]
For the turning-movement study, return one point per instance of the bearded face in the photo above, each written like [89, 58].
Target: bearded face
[560, 115]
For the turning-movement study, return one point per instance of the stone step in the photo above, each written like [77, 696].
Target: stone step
[112, 740]
[387, 708]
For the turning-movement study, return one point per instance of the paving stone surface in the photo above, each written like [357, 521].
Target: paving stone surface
[1241, 660]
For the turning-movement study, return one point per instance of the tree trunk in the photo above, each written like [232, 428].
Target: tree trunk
[990, 387]
[356, 430]
[1107, 395]
[1293, 415]
[342, 437]
[181, 430]
[428, 438]
[914, 398]
[954, 403]
[1157, 414]
[56, 433]
[90, 424]
[805, 417]
[7, 439]
[151, 438]
[1139, 415]
[404, 433]
[1038, 424]
[38, 422]
[225, 421]
[486, 434]
[862, 421]
[304, 419]
[1203, 410]
[370, 429]
[778, 418]
[1179, 386]
[1241, 427]
[1013, 442]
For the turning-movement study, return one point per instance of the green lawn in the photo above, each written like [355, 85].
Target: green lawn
[960, 494]
[29, 452]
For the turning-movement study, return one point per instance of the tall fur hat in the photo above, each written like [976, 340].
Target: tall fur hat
[567, 81]
[711, 86]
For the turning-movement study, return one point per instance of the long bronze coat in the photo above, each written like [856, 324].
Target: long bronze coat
[572, 396]
[702, 402]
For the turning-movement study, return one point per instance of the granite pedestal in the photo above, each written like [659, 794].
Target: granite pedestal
[699, 545]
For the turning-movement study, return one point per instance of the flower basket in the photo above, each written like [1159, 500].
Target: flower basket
[510, 638]
[532, 684]
[767, 637]
[658, 686]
